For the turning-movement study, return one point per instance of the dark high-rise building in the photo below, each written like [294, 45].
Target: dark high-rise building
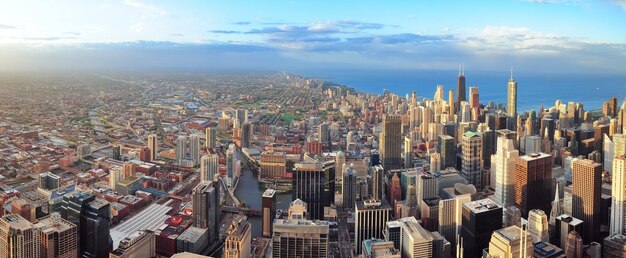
[323, 134]
[613, 107]
[370, 219]
[92, 216]
[391, 142]
[246, 135]
[206, 208]
[460, 90]
[349, 188]
[309, 186]
[547, 128]
[533, 182]
[446, 146]
[268, 211]
[116, 155]
[480, 219]
[586, 197]
[489, 146]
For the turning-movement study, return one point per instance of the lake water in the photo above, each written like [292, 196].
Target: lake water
[533, 89]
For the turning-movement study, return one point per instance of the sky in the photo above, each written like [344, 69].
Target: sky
[556, 36]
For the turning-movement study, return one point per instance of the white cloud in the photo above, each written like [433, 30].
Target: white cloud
[150, 9]
[137, 27]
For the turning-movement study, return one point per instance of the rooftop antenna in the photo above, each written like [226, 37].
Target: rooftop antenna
[511, 72]
[459, 69]
[463, 69]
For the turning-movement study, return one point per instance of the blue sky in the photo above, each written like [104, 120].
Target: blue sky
[535, 35]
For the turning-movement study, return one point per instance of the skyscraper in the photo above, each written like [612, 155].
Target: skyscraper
[246, 135]
[194, 148]
[574, 245]
[153, 146]
[209, 165]
[504, 160]
[538, 225]
[408, 152]
[370, 218]
[533, 182]
[391, 142]
[298, 237]
[57, 237]
[206, 208]
[460, 90]
[586, 191]
[349, 187]
[416, 241]
[181, 149]
[268, 211]
[510, 242]
[92, 217]
[446, 146]
[210, 138]
[474, 100]
[480, 219]
[618, 194]
[309, 186]
[18, 238]
[450, 217]
[238, 238]
[511, 107]
[472, 167]
[323, 134]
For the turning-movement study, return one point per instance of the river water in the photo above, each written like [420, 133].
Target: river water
[249, 191]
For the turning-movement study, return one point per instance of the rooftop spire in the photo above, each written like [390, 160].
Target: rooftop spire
[511, 73]
[463, 69]
[459, 69]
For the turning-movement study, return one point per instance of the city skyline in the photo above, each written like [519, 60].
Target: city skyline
[302, 36]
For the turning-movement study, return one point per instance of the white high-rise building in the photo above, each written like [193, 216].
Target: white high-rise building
[451, 217]
[608, 150]
[181, 149]
[618, 197]
[504, 161]
[538, 225]
[511, 107]
[209, 165]
[194, 148]
[408, 152]
[532, 144]
[619, 145]
[416, 241]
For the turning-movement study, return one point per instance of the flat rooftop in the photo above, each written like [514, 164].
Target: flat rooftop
[534, 156]
[150, 218]
[483, 205]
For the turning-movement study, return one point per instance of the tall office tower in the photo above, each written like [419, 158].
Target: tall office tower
[298, 237]
[57, 237]
[153, 146]
[613, 107]
[377, 174]
[547, 128]
[451, 105]
[538, 225]
[450, 217]
[435, 162]
[574, 245]
[586, 197]
[438, 93]
[349, 187]
[607, 152]
[472, 167]
[511, 107]
[268, 203]
[231, 161]
[238, 240]
[480, 219]
[446, 146]
[117, 152]
[370, 219]
[395, 191]
[473, 97]
[309, 186]
[140, 244]
[504, 160]
[210, 138]
[18, 238]
[340, 160]
[408, 152]
[466, 112]
[194, 148]
[619, 145]
[246, 135]
[416, 241]
[92, 217]
[618, 196]
[323, 134]
[390, 142]
[209, 165]
[563, 226]
[241, 115]
[460, 90]
[511, 242]
[426, 187]
[181, 148]
[206, 207]
[115, 176]
[532, 144]
[533, 182]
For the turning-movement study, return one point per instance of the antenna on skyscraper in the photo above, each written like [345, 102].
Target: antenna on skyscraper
[459, 69]
[511, 72]
[463, 69]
